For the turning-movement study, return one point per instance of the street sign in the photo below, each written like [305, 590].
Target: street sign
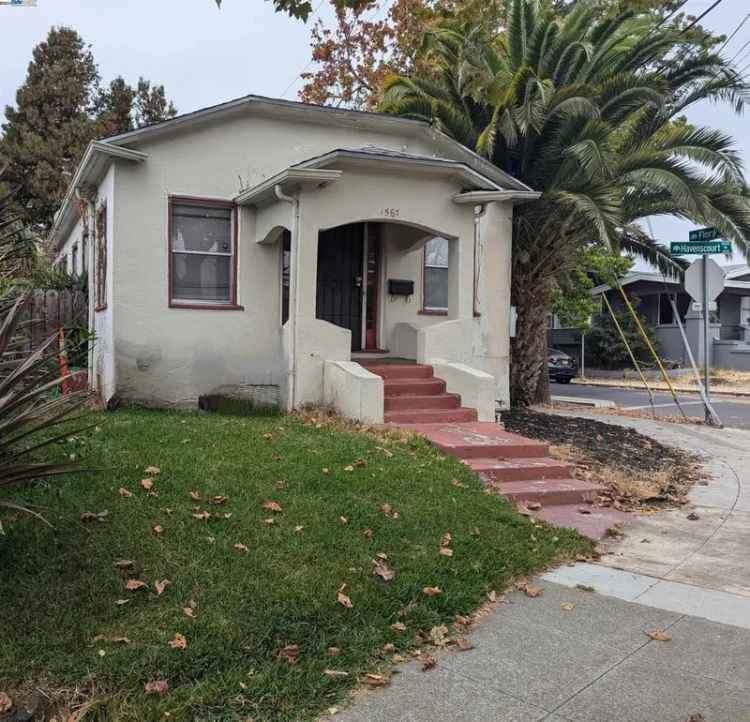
[699, 248]
[694, 279]
[704, 234]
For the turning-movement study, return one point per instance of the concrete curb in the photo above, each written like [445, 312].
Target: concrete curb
[679, 389]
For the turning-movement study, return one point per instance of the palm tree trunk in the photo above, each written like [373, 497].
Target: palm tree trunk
[531, 295]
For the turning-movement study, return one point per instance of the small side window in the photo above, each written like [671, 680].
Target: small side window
[436, 275]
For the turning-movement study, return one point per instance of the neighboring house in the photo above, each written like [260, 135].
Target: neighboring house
[730, 322]
[264, 246]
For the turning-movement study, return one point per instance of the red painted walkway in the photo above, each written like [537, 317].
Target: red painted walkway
[519, 468]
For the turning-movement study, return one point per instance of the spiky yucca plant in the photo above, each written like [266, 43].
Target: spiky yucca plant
[32, 414]
[588, 109]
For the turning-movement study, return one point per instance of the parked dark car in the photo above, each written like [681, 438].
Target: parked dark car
[562, 368]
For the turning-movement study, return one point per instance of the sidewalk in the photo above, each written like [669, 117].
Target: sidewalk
[534, 660]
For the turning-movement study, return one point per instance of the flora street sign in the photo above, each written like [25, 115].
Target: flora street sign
[700, 247]
[704, 234]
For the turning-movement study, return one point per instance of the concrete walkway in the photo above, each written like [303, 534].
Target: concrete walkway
[535, 660]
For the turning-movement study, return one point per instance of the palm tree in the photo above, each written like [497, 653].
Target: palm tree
[588, 109]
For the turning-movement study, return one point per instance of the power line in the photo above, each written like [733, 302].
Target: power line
[310, 61]
[736, 30]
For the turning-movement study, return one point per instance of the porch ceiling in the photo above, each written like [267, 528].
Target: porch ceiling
[292, 180]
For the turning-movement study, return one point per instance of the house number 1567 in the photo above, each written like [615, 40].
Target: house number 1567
[390, 212]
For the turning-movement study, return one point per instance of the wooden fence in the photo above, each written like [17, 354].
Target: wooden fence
[47, 311]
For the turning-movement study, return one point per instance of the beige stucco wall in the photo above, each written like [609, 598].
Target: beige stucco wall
[170, 356]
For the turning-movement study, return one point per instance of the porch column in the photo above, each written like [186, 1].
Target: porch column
[307, 270]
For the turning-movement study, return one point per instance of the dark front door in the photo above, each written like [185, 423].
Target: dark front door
[340, 282]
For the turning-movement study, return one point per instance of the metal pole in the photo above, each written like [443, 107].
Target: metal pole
[706, 350]
[583, 354]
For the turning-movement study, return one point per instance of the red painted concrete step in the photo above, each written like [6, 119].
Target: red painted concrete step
[593, 524]
[520, 469]
[430, 416]
[552, 492]
[434, 401]
[481, 439]
[413, 387]
[399, 371]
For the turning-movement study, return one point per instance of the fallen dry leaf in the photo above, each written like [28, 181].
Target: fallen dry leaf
[157, 529]
[343, 520]
[120, 602]
[220, 499]
[298, 528]
[133, 585]
[290, 653]
[428, 661]
[122, 491]
[398, 627]
[446, 540]
[343, 600]
[464, 644]
[533, 505]
[567, 606]
[6, 703]
[439, 635]
[147, 484]
[692, 516]
[432, 591]
[326, 470]
[360, 464]
[124, 564]
[195, 496]
[446, 552]
[189, 612]
[528, 590]
[383, 571]
[389, 648]
[94, 516]
[241, 547]
[333, 651]
[159, 686]
[272, 506]
[375, 680]
[349, 468]
[280, 485]
[658, 636]
[457, 484]
[492, 596]
[368, 533]
[152, 470]
[270, 520]
[179, 642]
[119, 640]
[161, 586]
[462, 620]
[275, 457]
[268, 436]
[203, 515]
[335, 673]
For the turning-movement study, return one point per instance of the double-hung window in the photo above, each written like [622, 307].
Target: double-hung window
[202, 253]
[436, 275]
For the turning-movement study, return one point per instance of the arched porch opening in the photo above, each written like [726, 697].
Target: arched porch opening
[369, 269]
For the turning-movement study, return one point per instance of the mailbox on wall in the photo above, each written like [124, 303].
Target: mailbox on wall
[400, 287]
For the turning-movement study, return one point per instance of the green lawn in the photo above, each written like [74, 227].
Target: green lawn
[60, 586]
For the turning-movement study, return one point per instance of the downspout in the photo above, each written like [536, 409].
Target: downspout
[294, 285]
[479, 213]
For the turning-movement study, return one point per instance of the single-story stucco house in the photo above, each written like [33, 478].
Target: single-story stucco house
[729, 321]
[279, 250]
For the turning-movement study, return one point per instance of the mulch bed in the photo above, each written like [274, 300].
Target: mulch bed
[596, 445]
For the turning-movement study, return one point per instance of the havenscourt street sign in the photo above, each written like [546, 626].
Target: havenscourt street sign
[700, 247]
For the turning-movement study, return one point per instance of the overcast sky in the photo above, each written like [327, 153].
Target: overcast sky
[205, 56]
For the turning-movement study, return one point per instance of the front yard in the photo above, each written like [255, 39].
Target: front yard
[255, 597]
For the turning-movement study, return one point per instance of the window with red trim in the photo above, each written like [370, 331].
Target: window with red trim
[202, 252]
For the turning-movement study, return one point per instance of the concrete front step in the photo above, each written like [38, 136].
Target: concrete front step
[413, 387]
[399, 371]
[435, 401]
[520, 469]
[481, 439]
[430, 416]
[549, 492]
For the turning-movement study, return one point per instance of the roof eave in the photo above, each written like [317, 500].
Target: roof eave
[291, 179]
[503, 196]
[90, 170]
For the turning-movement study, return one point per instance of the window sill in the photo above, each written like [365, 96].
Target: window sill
[99, 309]
[432, 312]
[207, 306]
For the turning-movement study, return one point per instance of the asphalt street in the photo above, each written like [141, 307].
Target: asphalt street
[734, 411]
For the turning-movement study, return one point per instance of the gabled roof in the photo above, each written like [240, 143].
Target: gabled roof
[732, 274]
[293, 110]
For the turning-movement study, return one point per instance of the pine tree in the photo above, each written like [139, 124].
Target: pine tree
[48, 130]
[59, 109]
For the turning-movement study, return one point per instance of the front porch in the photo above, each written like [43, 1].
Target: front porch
[399, 255]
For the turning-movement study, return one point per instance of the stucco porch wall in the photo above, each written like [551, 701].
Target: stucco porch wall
[170, 356]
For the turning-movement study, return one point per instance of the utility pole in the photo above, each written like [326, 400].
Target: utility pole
[706, 348]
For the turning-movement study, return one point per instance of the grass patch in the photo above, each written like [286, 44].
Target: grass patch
[60, 585]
